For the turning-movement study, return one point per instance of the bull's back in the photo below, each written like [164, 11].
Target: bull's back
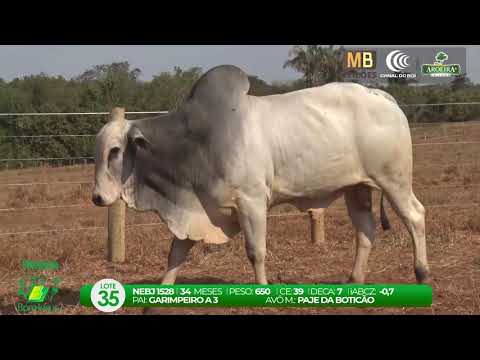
[324, 138]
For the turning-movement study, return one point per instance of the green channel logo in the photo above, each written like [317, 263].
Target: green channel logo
[37, 292]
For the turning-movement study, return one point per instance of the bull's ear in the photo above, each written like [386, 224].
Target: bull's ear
[136, 137]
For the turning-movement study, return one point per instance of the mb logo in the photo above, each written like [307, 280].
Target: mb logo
[359, 59]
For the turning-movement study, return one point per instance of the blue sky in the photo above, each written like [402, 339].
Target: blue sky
[265, 61]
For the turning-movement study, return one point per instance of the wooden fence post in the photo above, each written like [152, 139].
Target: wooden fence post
[116, 213]
[317, 225]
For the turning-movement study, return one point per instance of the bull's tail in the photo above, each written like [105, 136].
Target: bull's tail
[383, 215]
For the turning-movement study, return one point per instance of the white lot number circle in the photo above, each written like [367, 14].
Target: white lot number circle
[107, 295]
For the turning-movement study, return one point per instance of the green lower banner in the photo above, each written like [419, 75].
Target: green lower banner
[150, 295]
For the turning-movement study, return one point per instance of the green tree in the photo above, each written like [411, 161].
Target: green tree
[167, 90]
[259, 87]
[104, 86]
[460, 82]
[319, 65]
[109, 85]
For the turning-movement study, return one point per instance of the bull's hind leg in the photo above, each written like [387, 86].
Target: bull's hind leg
[412, 213]
[359, 205]
[178, 255]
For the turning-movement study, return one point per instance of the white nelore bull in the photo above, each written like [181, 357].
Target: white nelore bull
[216, 166]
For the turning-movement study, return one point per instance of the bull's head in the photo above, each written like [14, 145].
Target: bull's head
[115, 147]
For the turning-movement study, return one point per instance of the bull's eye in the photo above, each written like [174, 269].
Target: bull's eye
[113, 153]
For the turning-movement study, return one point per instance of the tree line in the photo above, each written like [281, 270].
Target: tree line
[103, 87]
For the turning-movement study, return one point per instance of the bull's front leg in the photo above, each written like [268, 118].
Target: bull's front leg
[252, 214]
[178, 255]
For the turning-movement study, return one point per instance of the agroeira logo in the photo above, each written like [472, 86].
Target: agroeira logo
[439, 68]
[37, 292]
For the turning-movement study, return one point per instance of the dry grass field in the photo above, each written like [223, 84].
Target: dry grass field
[446, 179]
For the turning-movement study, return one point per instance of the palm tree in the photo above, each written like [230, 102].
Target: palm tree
[333, 64]
[319, 65]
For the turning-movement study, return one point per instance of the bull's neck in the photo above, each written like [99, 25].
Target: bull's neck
[154, 172]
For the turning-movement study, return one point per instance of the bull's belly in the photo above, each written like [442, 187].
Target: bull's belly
[303, 203]
[318, 193]
[297, 197]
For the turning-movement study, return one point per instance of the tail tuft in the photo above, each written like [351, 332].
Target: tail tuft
[383, 216]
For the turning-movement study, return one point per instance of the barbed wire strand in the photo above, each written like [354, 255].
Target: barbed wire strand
[51, 159]
[444, 124]
[92, 158]
[442, 104]
[448, 143]
[160, 223]
[72, 229]
[46, 207]
[53, 230]
[46, 136]
[80, 113]
[89, 182]
[415, 165]
[166, 111]
[93, 135]
[90, 206]
[48, 183]
[443, 165]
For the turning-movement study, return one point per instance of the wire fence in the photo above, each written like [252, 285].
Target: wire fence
[89, 159]
[282, 215]
[80, 113]
[19, 162]
[91, 206]
[95, 228]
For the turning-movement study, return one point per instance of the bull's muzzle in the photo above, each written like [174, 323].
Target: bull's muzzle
[98, 200]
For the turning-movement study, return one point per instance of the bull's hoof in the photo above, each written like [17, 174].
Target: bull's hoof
[422, 275]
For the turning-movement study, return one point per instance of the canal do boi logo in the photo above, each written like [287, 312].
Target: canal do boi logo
[397, 61]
